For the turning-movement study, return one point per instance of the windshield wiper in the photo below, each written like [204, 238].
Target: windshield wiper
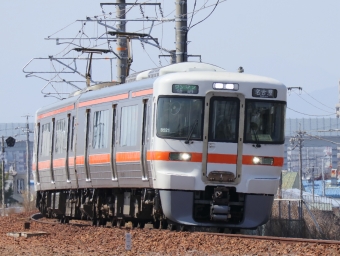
[191, 131]
[253, 127]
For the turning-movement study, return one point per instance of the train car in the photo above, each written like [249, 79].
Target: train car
[186, 145]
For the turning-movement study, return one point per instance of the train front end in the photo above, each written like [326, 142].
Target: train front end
[217, 147]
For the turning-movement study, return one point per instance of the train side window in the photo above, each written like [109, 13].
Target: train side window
[129, 126]
[60, 136]
[45, 139]
[87, 131]
[72, 133]
[100, 129]
[36, 150]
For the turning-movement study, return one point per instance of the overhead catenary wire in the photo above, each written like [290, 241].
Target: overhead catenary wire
[311, 103]
[83, 33]
[309, 114]
[62, 29]
[316, 99]
[217, 2]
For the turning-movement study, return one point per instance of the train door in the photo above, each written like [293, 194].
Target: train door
[222, 147]
[132, 168]
[98, 154]
[70, 151]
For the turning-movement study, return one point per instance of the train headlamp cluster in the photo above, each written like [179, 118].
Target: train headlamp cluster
[259, 160]
[177, 156]
[225, 86]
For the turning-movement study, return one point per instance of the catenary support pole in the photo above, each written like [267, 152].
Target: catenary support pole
[300, 172]
[181, 31]
[3, 174]
[323, 179]
[122, 47]
[28, 161]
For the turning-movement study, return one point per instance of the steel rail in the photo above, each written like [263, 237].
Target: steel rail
[277, 239]
[36, 217]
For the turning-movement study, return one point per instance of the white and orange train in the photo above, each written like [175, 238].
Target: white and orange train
[184, 145]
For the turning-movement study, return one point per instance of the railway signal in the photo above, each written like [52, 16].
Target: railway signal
[10, 141]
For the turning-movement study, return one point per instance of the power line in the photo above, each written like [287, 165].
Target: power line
[311, 103]
[309, 114]
[193, 12]
[317, 100]
[207, 16]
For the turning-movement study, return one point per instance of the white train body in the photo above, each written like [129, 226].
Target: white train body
[206, 146]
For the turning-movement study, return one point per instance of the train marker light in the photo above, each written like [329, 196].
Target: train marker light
[225, 86]
[263, 160]
[176, 156]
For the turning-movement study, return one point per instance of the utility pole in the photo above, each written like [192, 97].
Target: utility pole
[26, 130]
[122, 47]
[28, 159]
[181, 31]
[323, 178]
[300, 163]
[297, 141]
[313, 183]
[3, 174]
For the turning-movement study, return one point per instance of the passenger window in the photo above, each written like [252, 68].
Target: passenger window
[60, 136]
[100, 129]
[45, 139]
[129, 126]
[72, 134]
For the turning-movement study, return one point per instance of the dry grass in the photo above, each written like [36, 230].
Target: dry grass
[286, 222]
[10, 211]
[28, 205]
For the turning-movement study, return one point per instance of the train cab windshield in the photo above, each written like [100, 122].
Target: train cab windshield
[264, 122]
[180, 117]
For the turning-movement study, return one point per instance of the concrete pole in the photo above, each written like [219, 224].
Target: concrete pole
[122, 47]
[173, 56]
[313, 183]
[181, 31]
[28, 161]
[323, 178]
[300, 172]
[3, 174]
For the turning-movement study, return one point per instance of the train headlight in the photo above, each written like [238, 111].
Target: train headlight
[263, 160]
[176, 156]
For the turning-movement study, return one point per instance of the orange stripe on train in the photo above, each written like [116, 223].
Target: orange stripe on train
[142, 93]
[123, 157]
[103, 100]
[55, 112]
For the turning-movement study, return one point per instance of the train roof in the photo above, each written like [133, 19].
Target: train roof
[141, 80]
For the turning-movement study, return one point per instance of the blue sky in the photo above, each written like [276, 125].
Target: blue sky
[295, 42]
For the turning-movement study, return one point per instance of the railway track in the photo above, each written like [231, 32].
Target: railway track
[38, 218]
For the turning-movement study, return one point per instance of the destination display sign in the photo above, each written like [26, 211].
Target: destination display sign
[185, 88]
[264, 93]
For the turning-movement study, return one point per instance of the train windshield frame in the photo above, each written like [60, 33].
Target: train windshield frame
[264, 121]
[178, 116]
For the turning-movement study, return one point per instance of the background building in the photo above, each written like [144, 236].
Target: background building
[15, 157]
[319, 151]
